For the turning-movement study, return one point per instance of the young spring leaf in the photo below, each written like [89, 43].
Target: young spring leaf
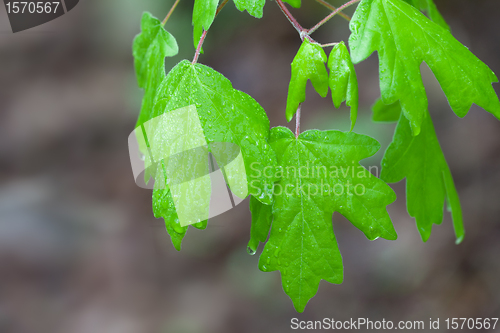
[429, 7]
[226, 115]
[308, 64]
[203, 17]
[253, 7]
[404, 38]
[342, 80]
[320, 174]
[262, 216]
[420, 160]
[150, 48]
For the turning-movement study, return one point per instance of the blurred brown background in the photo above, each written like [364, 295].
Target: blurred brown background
[80, 250]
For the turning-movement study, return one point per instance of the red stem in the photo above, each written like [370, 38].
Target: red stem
[327, 5]
[332, 14]
[290, 17]
[170, 12]
[223, 3]
[304, 33]
[204, 34]
[297, 121]
[200, 44]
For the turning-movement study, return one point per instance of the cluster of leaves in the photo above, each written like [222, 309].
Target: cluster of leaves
[296, 224]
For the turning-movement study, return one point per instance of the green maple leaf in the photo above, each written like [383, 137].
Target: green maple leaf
[386, 113]
[404, 38]
[225, 114]
[164, 207]
[343, 81]
[430, 8]
[293, 3]
[262, 216]
[308, 64]
[321, 174]
[203, 17]
[176, 156]
[421, 161]
[253, 7]
[150, 48]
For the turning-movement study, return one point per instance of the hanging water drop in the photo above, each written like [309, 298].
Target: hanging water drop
[251, 251]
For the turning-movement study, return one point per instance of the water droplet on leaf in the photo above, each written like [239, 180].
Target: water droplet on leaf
[251, 251]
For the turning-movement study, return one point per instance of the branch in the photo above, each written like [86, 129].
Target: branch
[327, 5]
[290, 17]
[332, 14]
[170, 12]
[302, 32]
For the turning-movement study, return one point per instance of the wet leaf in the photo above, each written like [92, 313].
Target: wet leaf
[320, 175]
[262, 216]
[253, 7]
[343, 81]
[428, 7]
[203, 17]
[150, 48]
[429, 182]
[308, 64]
[404, 38]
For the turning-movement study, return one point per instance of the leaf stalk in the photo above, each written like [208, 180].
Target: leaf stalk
[200, 44]
[204, 34]
[297, 122]
[290, 17]
[329, 6]
[170, 12]
[332, 14]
